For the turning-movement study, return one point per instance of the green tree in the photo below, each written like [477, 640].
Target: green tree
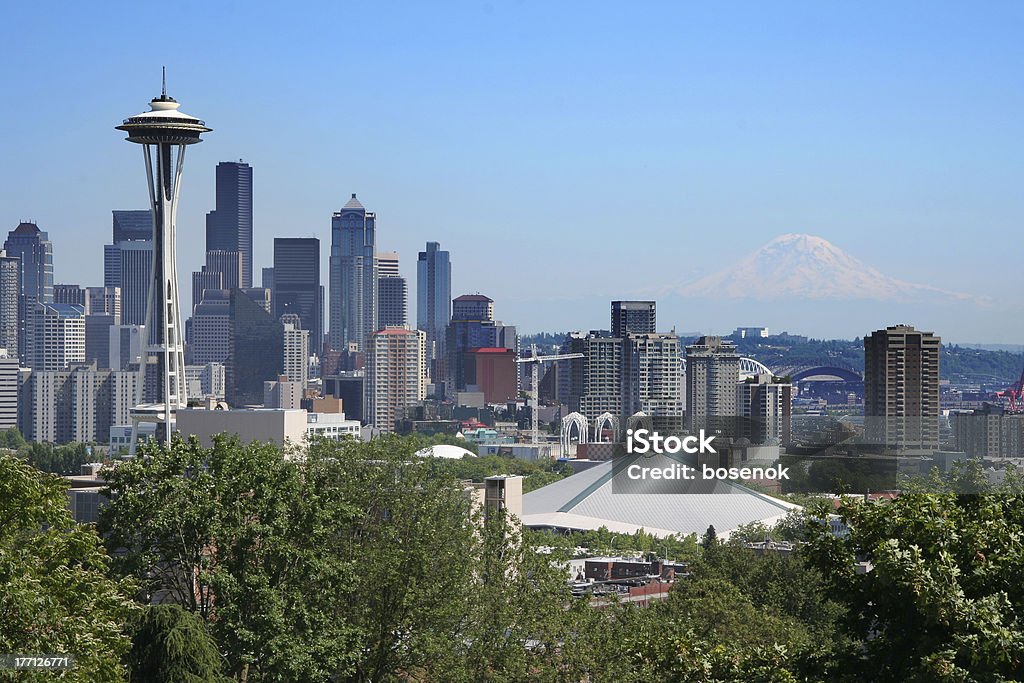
[171, 645]
[246, 539]
[12, 438]
[942, 600]
[56, 596]
[710, 538]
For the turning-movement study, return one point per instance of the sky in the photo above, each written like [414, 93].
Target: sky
[564, 153]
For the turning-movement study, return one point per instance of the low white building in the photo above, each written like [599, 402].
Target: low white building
[331, 426]
[281, 427]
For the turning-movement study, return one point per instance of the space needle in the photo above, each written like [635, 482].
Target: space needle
[163, 132]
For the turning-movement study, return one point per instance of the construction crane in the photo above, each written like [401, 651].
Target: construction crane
[536, 360]
[1014, 396]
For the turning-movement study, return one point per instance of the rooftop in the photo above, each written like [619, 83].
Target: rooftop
[354, 203]
[585, 501]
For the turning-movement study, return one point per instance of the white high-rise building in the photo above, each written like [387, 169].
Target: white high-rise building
[55, 336]
[712, 371]
[10, 294]
[766, 407]
[296, 350]
[395, 375]
[126, 342]
[653, 378]
[78, 405]
[8, 389]
[206, 380]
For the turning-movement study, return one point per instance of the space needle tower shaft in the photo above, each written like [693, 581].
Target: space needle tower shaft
[163, 132]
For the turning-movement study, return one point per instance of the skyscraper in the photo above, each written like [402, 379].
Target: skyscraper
[79, 404]
[209, 338]
[102, 311]
[229, 225]
[392, 301]
[133, 226]
[9, 389]
[125, 347]
[222, 270]
[395, 375]
[901, 388]
[55, 338]
[10, 295]
[296, 350]
[297, 285]
[712, 372]
[434, 298]
[387, 264]
[353, 276]
[766, 407]
[127, 262]
[164, 132]
[633, 317]
[34, 250]
[257, 350]
[69, 294]
[653, 379]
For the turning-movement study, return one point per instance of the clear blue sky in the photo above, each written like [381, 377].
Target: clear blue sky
[565, 153]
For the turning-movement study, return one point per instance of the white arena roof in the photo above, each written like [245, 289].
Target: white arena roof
[445, 451]
[585, 501]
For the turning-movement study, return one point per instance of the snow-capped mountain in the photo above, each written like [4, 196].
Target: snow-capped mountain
[796, 266]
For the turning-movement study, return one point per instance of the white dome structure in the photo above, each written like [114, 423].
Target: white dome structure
[446, 451]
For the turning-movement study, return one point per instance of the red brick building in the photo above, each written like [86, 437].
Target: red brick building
[492, 371]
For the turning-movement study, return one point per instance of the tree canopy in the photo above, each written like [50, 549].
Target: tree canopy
[364, 562]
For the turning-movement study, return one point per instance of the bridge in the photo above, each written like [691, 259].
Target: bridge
[821, 373]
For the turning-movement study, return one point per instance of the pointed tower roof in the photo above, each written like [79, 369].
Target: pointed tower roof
[26, 228]
[354, 203]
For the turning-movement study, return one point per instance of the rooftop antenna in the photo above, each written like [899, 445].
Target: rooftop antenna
[163, 89]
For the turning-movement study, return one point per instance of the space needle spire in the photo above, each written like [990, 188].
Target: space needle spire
[163, 132]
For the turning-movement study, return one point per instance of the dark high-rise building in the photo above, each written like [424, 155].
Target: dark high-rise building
[392, 302]
[69, 294]
[133, 226]
[433, 298]
[472, 327]
[127, 262]
[203, 281]
[102, 311]
[268, 278]
[257, 350]
[10, 295]
[297, 285]
[223, 270]
[229, 226]
[34, 250]
[472, 307]
[633, 317]
[901, 388]
[353, 276]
